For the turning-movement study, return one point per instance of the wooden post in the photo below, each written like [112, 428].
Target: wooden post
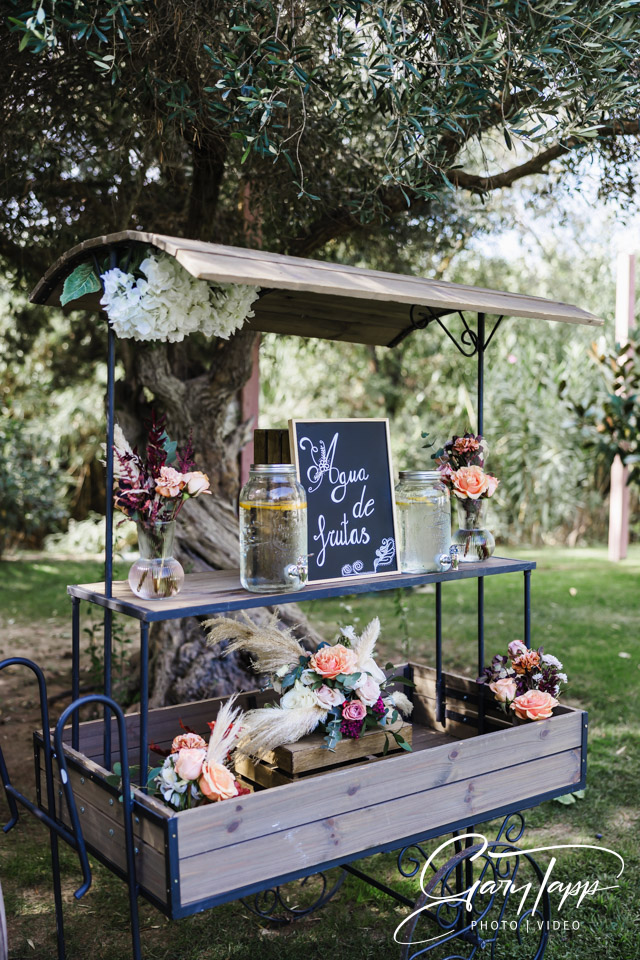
[250, 407]
[619, 495]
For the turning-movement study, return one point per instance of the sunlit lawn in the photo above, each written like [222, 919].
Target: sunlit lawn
[585, 610]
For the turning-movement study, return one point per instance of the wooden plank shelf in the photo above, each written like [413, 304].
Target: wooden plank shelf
[219, 591]
[195, 859]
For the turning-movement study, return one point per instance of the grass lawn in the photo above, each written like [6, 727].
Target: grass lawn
[585, 610]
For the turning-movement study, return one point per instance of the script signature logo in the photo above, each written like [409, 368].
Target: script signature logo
[572, 892]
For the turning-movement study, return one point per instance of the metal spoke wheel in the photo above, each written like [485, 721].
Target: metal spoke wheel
[474, 904]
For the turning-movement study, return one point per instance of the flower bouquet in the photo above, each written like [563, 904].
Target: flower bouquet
[461, 466]
[151, 490]
[525, 681]
[196, 773]
[339, 688]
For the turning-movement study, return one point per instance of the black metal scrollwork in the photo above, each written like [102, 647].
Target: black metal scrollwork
[467, 343]
[274, 904]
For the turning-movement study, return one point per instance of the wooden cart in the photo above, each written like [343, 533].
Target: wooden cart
[468, 764]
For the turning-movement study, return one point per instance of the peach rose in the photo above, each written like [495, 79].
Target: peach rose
[492, 484]
[189, 763]
[534, 705]
[527, 661]
[470, 482]
[197, 483]
[170, 483]
[328, 697]
[330, 661]
[354, 710]
[503, 690]
[217, 782]
[190, 741]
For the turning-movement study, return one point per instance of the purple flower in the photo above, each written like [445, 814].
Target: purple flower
[351, 728]
[378, 709]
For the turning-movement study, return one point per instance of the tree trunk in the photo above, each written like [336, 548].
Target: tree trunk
[196, 386]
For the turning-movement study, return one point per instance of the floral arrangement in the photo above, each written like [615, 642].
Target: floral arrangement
[339, 688]
[151, 489]
[461, 465]
[157, 299]
[525, 681]
[196, 773]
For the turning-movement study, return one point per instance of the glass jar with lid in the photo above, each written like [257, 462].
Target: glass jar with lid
[423, 512]
[273, 530]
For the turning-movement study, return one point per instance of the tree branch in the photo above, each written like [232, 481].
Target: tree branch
[479, 184]
[341, 221]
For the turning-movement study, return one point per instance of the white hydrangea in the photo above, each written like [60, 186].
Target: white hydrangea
[167, 303]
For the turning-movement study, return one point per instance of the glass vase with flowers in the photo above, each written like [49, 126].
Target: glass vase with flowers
[151, 490]
[461, 465]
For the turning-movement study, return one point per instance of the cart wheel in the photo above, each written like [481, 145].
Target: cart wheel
[292, 901]
[4, 942]
[491, 923]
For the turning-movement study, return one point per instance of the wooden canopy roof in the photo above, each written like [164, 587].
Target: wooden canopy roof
[313, 298]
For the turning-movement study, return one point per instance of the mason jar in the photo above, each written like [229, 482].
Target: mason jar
[423, 511]
[273, 530]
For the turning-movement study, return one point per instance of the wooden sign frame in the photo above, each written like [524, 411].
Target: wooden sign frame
[388, 567]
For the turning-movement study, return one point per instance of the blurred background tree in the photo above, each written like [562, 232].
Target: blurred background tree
[355, 131]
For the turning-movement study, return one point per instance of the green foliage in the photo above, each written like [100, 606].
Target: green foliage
[616, 419]
[325, 116]
[273, 73]
[30, 490]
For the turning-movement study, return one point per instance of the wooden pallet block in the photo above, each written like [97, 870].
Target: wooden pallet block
[310, 756]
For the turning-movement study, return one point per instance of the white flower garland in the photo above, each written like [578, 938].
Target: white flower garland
[170, 304]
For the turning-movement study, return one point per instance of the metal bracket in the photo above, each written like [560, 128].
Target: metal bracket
[468, 343]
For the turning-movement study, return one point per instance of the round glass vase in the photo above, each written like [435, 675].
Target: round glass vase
[156, 575]
[473, 540]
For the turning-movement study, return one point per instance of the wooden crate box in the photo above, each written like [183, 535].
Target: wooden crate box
[454, 777]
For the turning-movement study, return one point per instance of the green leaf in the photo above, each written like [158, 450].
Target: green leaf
[170, 447]
[80, 281]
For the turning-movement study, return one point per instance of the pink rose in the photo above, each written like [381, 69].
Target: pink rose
[470, 482]
[534, 705]
[217, 782]
[515, 648]
[354, 710]
[197, 483]
[192, 741]
[369, 691]
[189, 763]
[170, 483]
[503, 690]
[330, 661]
[328, 697]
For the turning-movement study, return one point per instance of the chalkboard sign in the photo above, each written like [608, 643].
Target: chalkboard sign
[345, 467]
